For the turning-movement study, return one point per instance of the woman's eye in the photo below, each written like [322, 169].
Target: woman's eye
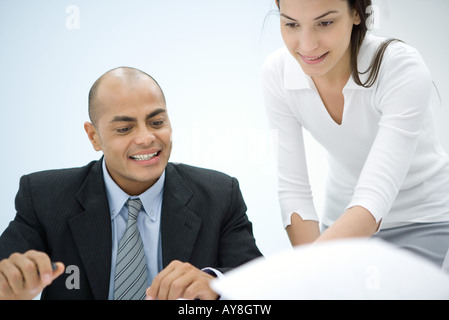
[291, 25]
[326, 23]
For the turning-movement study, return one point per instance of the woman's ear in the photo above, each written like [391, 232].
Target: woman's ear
[356, 18]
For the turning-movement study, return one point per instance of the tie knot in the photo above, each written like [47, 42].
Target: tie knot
[134, 206]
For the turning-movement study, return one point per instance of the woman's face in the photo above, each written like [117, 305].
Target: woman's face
[318, 34]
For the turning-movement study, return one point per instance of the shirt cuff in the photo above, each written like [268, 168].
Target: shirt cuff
[213, 272]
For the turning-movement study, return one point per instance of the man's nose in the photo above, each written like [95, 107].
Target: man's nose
[144, 136]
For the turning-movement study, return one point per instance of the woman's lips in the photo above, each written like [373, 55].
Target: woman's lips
[315, 59]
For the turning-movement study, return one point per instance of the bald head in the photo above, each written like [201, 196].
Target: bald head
[121, 78]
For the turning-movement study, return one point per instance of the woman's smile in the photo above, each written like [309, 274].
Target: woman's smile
[315, 59]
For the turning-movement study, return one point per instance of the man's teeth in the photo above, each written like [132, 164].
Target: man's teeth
[143, 157]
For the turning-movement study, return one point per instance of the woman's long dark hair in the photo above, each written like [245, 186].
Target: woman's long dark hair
[358, 35]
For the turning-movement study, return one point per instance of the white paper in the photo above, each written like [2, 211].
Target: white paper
[343, 269]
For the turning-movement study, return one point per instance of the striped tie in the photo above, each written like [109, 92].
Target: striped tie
[131, 269]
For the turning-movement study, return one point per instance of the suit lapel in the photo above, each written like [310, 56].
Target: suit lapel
[91, 228]
[91, 231]
[179, 225]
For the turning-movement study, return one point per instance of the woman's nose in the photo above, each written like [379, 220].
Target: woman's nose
[308, 42]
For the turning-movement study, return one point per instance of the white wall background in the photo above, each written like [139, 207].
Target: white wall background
[206, 55]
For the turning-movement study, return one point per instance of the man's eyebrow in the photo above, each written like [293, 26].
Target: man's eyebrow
[156, 112]
[123, 119]
[132, 119]
[317, 18]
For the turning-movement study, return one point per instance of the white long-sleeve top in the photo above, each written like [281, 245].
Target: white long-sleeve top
[385, 156]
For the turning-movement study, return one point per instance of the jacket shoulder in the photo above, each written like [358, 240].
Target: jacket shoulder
[200, 180]
[192, 173]
[56, 178]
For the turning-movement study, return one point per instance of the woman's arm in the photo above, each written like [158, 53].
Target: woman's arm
[302, 231]
[355, 222]
[294, 190]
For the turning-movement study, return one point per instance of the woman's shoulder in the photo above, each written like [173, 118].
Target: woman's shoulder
[276, 59]
[281, 66]
[400, 59]
[396, 49]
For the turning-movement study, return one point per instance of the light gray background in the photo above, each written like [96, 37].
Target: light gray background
[206, 55]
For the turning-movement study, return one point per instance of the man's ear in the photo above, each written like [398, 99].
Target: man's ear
[92, 134]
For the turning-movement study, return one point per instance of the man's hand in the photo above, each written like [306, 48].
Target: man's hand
[181, 280]
[24, 276]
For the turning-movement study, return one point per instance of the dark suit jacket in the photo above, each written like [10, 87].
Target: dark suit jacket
[66, 214]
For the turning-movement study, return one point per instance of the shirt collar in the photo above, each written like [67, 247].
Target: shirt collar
[117, 198]
[294, 77]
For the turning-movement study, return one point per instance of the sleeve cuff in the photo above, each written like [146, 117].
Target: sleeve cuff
[213, 272]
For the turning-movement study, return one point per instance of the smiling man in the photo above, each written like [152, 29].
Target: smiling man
[129, 123]
[132, 223]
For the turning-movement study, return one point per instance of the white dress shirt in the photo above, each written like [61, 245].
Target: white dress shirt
[385, 156]
[148, 223]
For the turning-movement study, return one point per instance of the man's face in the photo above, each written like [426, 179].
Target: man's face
[133, 131]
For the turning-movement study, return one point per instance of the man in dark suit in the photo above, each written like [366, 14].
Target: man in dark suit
[193, 222]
